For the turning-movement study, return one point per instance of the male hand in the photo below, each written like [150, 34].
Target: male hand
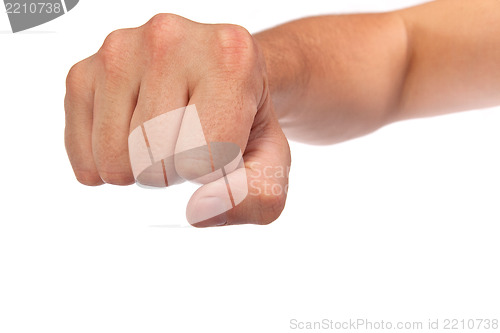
[167, 64]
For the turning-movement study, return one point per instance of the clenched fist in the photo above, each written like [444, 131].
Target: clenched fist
[180, 88]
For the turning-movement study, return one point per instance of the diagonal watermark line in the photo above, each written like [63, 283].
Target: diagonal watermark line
[147, 144]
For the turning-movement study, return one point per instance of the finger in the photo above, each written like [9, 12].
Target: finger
[154, 129]
[117, 87]
[223, 105]
[214, 131]
[78, 105]
[255, 193]
[115, 101]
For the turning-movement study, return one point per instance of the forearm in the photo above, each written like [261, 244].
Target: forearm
[455, 57]
[334, 77]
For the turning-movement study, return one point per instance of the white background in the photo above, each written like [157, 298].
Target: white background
[400, 225]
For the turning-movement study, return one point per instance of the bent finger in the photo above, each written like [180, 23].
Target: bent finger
[78, 105]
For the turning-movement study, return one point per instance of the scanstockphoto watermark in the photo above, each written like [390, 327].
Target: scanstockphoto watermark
[26, 14]
[257, 179]
[359, 324]
[265, 180]
[354, 324]
[160, 159]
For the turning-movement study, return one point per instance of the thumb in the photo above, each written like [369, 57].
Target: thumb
[252, 190]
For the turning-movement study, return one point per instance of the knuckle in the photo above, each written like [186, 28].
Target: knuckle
[77, 85]
[114, 50]
[235, 45]
[75, 76]
[162, 31]
[114, 42]
[164, 22]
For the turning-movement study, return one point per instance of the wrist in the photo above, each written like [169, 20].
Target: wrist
[285, 71]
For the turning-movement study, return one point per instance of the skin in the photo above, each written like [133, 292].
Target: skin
[319, 80]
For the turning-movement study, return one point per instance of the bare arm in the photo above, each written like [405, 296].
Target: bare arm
[338, 77]
[331, 78]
